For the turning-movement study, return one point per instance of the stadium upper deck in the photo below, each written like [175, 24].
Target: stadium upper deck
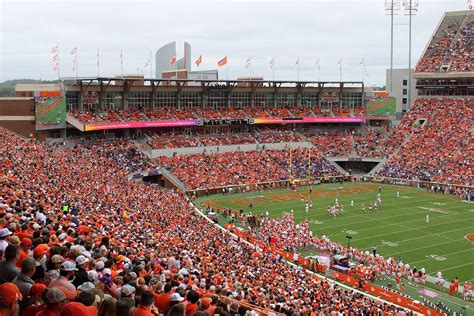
[98, 102]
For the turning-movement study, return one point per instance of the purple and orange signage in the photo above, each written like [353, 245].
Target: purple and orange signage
[269, 120]
[122, 125]
[260, 120]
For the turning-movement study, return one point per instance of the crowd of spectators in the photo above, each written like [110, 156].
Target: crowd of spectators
[177, 139]
[451, 47]
[341, 111]
[137, 114]
[368, 143]
[271, 135]
[441, 148]
[92, 243]
[331, 143]
[461, 52]
[97, 116]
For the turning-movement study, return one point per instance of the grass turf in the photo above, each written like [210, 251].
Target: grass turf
[382, 106]
[398, 228]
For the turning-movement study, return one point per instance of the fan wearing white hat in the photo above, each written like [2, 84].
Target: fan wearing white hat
[66, 274]
[4, 233]
[82, 264]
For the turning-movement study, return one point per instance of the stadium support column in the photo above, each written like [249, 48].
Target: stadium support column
[126, 89]
[411, 6]
[391, 6]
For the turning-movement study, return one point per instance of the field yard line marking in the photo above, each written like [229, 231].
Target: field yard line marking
[408, 212]
[418, 199]
[433, 209]
[413, 249]
[396, 232]
[461, 265]
[406, 230]
[374, 220]
[446, 254]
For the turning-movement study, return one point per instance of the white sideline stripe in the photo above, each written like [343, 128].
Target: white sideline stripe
[443, 255]
[440, 297]
[406, 230]
[321, 277]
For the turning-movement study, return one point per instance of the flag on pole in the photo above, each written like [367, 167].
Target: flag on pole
[55, 57]
[362, 62]
[74, 59]
[340, 61]
[222, 62]
[317, 63]
[248, 62]
[272, 63]
[147, 63]
[298, 61]
[198, 61]
[173, 60]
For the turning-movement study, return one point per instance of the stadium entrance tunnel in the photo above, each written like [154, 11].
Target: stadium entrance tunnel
[357, 166]
[157, 177]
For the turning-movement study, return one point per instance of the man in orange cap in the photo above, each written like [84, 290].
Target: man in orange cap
[10, 295]
[24, 250]
[35, 301]
[76, 308]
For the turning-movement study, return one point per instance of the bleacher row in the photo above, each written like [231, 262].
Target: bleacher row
[451, 47]
[245, 168]
[439, 147]
[93, 243]
[168, 113]
[439, 150]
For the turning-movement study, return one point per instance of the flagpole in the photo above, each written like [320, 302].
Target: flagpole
[250, 77]
[98, 62]
[298, 69]
[227, 70]
[121, 63]
[151, 64]
[58, 60]
[290, 162]
[77, 61]
[309, 163]
[340, 70]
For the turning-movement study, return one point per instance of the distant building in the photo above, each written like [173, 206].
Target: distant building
[182, 69]
[165, 54]
[400, 88]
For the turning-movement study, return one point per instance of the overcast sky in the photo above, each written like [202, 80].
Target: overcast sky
[328, 30]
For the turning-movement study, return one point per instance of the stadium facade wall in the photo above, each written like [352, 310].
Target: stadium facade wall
[400, 88]
[18, 114]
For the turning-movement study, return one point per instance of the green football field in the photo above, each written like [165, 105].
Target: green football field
[398, 228]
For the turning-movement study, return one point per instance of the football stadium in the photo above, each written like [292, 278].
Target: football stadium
[184, 193]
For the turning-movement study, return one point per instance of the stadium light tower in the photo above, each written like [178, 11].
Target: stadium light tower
[391, 8]
[411, 7]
